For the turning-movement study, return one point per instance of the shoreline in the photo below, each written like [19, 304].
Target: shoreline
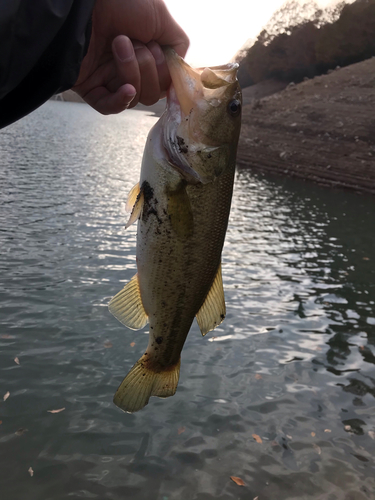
[320, 130]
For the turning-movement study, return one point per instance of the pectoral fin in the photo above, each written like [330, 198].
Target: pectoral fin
[127, 306]
[212, 312]
[134, 204]
[132, 197]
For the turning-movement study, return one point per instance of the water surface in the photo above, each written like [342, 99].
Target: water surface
[293, 363]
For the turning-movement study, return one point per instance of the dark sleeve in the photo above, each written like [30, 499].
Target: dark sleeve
[42, 44]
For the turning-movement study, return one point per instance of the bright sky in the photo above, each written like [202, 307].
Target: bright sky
[218, 28]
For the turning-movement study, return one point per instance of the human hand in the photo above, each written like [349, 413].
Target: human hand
[124, 63]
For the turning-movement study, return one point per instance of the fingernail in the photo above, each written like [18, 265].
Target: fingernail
[124, 49]
[129, 92]
[156, 51]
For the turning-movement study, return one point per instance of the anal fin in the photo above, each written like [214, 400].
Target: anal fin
[127, 306]
[142, 382]
[212, 312]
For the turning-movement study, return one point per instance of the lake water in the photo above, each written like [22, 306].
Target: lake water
[293, 364]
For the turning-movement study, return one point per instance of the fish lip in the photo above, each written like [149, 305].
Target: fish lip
[227, 66]
[185, 80]
[194, 81]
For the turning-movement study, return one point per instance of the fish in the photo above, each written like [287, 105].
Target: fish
[182, 204]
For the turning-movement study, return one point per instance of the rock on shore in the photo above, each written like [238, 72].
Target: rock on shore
[322, 129]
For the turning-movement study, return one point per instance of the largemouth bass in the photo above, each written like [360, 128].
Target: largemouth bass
[182, 204]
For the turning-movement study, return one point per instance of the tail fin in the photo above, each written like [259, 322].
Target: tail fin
[141, 383]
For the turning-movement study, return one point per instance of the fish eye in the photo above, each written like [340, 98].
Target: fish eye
[234, 107]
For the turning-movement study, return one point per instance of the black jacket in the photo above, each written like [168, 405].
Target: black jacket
[42, 44]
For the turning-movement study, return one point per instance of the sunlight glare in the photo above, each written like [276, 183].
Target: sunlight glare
[218, 29]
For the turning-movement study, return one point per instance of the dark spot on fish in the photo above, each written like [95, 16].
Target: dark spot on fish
[150, 202]
[159, 340]
[181, 145]
[209, 155]
[143, 374]
[222, 316]
[148, 192]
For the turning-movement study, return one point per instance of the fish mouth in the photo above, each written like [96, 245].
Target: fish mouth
[197, 103]
[191, 85]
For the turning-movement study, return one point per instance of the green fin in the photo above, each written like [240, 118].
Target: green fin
[127, 306]
[134, 204]
[212, 313]
[141, 383]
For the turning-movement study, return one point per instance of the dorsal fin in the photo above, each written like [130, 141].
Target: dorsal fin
[134, 204]
[127, 306]
[212, 312]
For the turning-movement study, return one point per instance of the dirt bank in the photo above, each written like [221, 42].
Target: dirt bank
[321, 130]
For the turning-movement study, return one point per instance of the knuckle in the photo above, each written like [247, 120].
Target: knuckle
[144, 56]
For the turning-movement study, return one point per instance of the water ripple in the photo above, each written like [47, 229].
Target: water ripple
[293, 363]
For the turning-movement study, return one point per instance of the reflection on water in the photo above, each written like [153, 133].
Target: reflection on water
[293, 363]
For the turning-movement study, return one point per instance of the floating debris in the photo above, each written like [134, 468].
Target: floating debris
[257, 438]
[237, 480]
[56, 411]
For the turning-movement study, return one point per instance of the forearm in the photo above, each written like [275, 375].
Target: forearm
[42, 44]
